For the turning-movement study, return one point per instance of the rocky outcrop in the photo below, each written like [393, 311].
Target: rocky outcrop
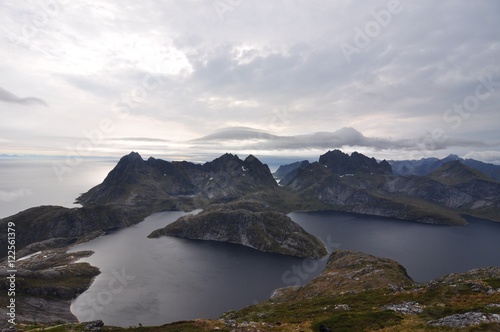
[267, 231]
[349, 271]
[46, 283]
[361, 292]
[46, 223]
[466, 320]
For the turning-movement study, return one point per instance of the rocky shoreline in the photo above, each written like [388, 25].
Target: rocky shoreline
[46, 284]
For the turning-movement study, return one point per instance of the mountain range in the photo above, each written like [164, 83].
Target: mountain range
[135, 188]
[426, 165]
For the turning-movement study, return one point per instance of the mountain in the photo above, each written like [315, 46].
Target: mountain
[426, 165]
[283, 170]
[341, 163]
[135, 188]
[435, 198]
[179, 185]
[267, 231]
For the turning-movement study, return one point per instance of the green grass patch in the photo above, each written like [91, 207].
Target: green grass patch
[350, 321]
[494, 282]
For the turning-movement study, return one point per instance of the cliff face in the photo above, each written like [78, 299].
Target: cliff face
[266, 231]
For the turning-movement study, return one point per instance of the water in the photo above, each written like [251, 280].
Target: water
[176, 279]
[426, 251]
[157, 281]
[29, 182]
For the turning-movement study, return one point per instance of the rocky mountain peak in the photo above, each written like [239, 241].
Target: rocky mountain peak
[456, 172]
[341, 163]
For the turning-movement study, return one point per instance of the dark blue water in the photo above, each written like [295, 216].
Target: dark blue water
[156, 281]
[427, 251]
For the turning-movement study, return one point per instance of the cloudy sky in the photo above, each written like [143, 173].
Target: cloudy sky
[194, 79]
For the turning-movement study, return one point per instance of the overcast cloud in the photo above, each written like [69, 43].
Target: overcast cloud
[8, 97]
[184, 79]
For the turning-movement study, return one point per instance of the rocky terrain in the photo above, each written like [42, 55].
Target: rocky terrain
[441, 197]
[357, 292]
[46, 283]
[267, 231]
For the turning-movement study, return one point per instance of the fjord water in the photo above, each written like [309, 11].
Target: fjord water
[426, 251]
[156, 281]
[29, 182]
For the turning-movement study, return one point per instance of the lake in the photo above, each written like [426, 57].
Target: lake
[157, 281]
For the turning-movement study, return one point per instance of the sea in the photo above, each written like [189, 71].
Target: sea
[158, 281]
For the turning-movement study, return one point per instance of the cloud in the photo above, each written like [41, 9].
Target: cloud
[487, 156]
[9, 196]
[251, 139]
[174, 71]
[9, 97]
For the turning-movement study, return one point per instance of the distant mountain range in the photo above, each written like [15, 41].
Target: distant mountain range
[425, 166]
[231, 190]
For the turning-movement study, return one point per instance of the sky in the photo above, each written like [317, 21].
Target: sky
[190, 80]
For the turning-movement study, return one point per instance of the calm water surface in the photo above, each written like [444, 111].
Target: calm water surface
[156, 281]
[170, 279]
[427, 251]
